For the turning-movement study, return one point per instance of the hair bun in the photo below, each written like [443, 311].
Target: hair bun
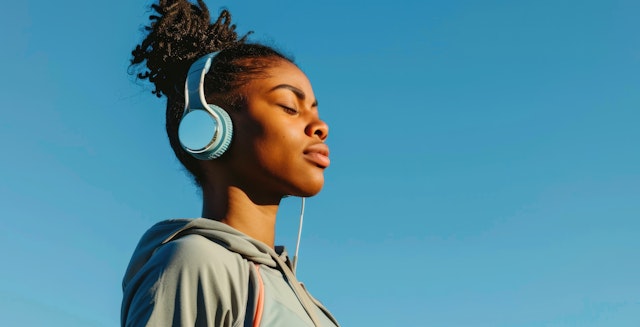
[178, 33]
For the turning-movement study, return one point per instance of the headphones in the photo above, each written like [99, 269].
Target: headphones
[205, 129]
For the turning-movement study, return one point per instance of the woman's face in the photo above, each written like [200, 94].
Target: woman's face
[278, 143]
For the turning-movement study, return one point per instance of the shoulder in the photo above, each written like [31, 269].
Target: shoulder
[193, 260]
[188, 279]
[195, 251]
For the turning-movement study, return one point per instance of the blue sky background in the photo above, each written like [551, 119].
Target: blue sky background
[485, 159]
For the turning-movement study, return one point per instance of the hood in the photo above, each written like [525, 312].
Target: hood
[215, 231]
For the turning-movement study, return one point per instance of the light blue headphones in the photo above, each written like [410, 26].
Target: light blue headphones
[205, 129]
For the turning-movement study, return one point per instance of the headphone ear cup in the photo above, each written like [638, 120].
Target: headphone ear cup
[206, 134]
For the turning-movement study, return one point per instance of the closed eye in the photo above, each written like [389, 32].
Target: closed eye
[289, 110]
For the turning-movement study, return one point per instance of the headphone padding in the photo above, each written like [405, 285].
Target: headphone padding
[222, 139]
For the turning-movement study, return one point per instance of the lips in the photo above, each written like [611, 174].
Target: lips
[318, 154]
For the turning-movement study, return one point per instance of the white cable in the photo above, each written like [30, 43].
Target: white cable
[295, 256]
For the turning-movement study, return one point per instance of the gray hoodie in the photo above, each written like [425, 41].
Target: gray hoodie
[200, 272]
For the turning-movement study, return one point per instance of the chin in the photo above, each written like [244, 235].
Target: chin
[308, 194]
[309, 189]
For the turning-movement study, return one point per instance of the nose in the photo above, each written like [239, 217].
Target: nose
[317, 128]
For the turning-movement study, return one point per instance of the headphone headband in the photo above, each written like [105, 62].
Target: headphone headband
[194, 86]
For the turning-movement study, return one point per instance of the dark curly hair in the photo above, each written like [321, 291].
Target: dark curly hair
[179, 33]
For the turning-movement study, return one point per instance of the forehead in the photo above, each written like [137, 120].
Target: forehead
[283, 72]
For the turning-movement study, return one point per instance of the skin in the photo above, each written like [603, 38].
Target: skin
[277, 150]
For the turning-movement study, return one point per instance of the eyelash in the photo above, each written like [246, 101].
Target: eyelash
[289, 110]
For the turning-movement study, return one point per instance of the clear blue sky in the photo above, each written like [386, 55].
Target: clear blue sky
[485, 159]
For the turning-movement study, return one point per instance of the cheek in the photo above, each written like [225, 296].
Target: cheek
[276, 148]
[267, 145]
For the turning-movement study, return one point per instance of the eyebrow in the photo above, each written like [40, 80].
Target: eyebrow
[298, 92]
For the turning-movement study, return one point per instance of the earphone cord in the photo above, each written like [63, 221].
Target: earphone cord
[295, 256]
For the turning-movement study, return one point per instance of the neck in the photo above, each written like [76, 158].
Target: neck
[234, 207]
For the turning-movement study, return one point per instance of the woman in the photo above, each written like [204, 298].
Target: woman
[264, 141]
